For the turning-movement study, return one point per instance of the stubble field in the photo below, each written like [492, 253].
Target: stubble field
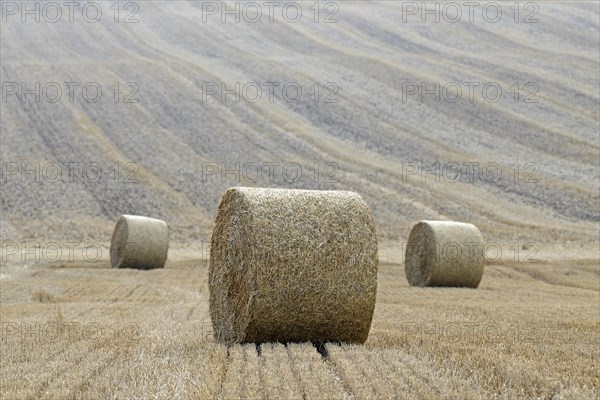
[520, 161]
[87, 331]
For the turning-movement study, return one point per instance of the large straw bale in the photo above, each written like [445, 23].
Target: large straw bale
[291, 266]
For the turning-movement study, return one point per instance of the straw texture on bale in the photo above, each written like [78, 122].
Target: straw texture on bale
[444, 253]
[292, 265]
[139, 242]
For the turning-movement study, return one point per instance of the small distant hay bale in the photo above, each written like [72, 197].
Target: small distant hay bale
[444, 253]
[292, 266]
[42, 296]
[139, 242]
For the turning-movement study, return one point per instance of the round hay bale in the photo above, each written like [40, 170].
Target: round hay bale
[444, 253]
[139, 242]
[292, 266]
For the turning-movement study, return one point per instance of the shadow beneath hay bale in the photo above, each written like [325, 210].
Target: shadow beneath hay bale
[320, 347]
[322, 350]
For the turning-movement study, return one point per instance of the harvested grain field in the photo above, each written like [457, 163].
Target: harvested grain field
[156, 108]
[89, 331]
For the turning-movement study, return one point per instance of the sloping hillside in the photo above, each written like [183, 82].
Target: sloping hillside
[360, 123]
